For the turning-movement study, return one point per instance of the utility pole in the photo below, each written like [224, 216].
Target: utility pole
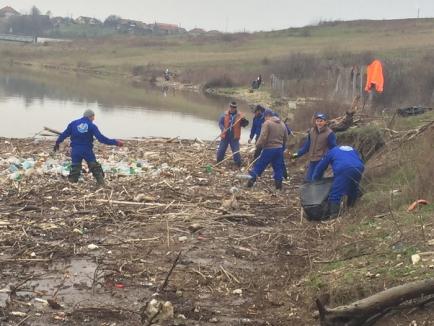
[418, 13]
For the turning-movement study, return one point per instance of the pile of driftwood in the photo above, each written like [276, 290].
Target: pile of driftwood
[76, 252]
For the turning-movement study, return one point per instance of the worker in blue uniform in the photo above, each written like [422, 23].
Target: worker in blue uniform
[82, 132]
[347, 172]
[255, 131]
[272, 141]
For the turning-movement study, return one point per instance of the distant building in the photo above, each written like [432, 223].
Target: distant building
[167, 29]
[196, 31]
[133, 26]
[7, 12]
[87, 21]
[214, 32]
[61, 21]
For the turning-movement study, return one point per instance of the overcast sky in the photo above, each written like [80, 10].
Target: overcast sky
[232, 15]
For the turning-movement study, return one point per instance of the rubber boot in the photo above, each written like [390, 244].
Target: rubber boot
[285, 172]
[97, 172]
[334, 209]
[278, 184]
[251, 182]
[74, 173]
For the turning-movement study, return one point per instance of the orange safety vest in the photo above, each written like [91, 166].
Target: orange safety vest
[236, 128]
[375, 76]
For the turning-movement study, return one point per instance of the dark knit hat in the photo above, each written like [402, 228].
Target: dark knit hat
[268, 112]
[233, 105]
[259, 108]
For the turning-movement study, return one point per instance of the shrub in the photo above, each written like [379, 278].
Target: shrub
[222, 81]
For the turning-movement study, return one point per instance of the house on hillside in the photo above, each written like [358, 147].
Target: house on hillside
[7, 12]
[196, 31]
[167, 29]
[87, 21]
[133, 26]
[214, 32]
[61, 21]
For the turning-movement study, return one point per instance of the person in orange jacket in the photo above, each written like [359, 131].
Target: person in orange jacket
[230, 124]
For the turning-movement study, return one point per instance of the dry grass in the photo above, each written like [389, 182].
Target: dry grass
[302, 56]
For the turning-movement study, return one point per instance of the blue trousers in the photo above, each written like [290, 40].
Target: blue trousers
[273, 156]
[78, 153]
[346, 183]
[235, 148]
[310, 168]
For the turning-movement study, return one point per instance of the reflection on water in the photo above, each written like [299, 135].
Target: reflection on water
[28, 102]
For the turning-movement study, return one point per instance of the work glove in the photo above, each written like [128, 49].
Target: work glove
[56, 148]
[294, 156]
[119, 143]
[244, 122]
[249, 141]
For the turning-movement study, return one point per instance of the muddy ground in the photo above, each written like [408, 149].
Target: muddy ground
[74, 254]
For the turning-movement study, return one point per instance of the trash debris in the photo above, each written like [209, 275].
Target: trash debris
[415, 259]
[243, 176]
[416, 203]
[412, 110]
[96, 250]
[158, 311]
[53, 304]
[92, 246]
[230, 204]
[195, 227]
[119, 286]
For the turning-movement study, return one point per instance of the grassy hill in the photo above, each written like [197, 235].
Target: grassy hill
[395, 38]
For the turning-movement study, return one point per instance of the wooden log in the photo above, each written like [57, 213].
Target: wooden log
[54, 131]
[361, 311]
[344, 122]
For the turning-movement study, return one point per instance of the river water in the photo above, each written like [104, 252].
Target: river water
[29, 101]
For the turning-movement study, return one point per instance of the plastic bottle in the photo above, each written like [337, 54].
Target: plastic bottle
[208, 168]
[243, 176]
[16, 176]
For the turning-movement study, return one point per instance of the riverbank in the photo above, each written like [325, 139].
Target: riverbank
[245, 255]
[129, 237]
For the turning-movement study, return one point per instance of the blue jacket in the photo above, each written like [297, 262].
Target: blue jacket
[341, 158]
[82, 132]
[256, 126]
[331, 140]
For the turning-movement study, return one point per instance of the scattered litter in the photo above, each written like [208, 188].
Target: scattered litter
[39, 300]
[416, 203]
[18, 314]
[92, 246]
[195, 227]
[243, 176]
[238, 291]
[158, 311]
[415, 259]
